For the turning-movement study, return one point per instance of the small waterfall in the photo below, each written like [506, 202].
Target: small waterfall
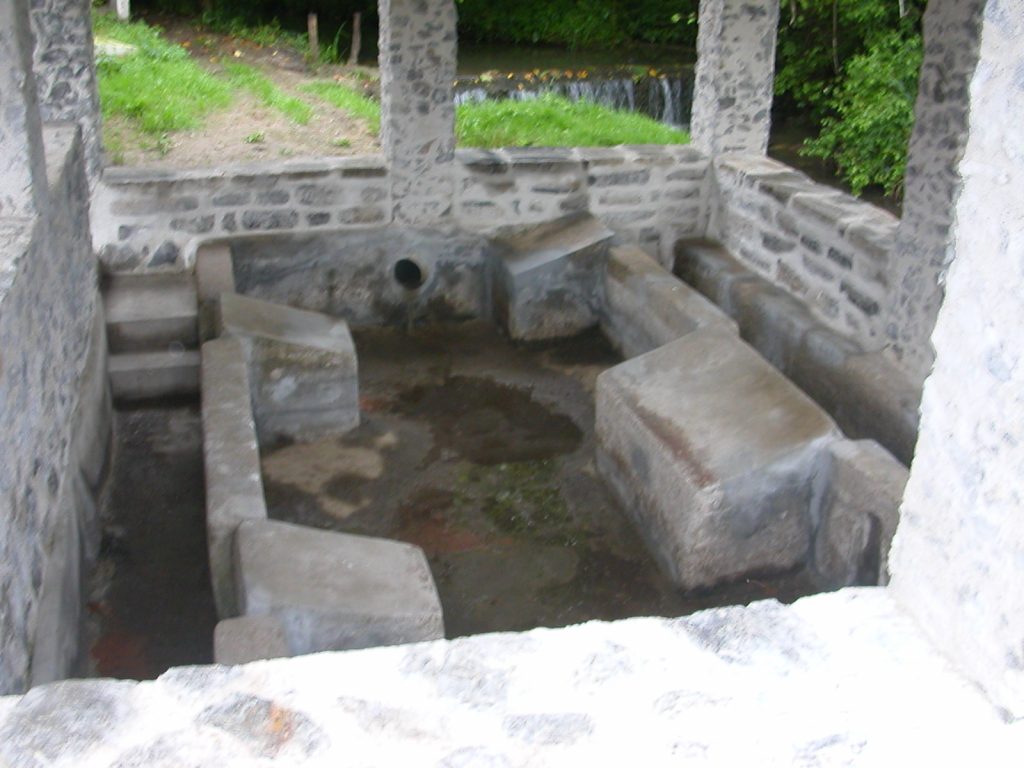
[664, 96]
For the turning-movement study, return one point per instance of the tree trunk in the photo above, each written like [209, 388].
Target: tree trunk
[314, 38]
[357, 39]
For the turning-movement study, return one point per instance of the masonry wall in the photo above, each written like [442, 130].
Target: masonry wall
[823, 246]
[147, 219]
[53, 421]
[958, 556]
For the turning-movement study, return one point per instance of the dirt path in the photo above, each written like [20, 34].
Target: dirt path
[247, 131]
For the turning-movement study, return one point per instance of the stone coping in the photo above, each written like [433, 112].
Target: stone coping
[844, 678]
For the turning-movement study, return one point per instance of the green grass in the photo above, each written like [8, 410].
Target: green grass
[158, 86]
[268, 35]
[552, 121]
[254, 81]
[348, 100]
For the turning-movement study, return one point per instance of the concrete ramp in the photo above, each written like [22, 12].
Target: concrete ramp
[712, 452]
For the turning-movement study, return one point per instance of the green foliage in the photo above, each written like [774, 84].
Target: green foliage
[579, 23]
[158, 86]
[348, 100]
[268, 34]
[552, 121]
[874, 113]
[258, 84]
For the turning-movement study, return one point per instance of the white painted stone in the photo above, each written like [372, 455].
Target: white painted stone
[838, 679]
[958, 556]
[335, 591]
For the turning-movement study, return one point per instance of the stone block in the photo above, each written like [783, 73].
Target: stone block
[150, 312]
[710, 269]
[646, 306]
[547, 277]
[858, 509]
[303, 368]
[149, 375]
[712, 452]
[334, 591]
[249, 638]
[231, 456]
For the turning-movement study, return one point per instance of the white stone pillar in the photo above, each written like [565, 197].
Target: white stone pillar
[921, 253]
[958, 557]
[417, 73]
[22, 162]
[65, 72]
[732, 102]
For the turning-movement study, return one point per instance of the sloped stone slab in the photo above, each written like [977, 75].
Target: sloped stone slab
[547, 278]
[334, 591]
[305, 377]
[249, 638]
[646, 306]
[712, 452]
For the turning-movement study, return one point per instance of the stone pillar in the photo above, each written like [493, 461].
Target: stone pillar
[921, 253]
[22, 161]
[958, 556]
[732, 102]
[417, 70]
[65, 72]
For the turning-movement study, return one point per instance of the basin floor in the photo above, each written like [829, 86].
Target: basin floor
[152, 606]
[482, 453]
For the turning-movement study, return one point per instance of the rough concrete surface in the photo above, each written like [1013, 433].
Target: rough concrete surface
[335, 591]
[840, 679]
[712, 451]
[249, 638]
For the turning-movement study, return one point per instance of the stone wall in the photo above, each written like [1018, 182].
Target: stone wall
[921, 253]
[65, 72]
[734, 83]
[822, 246]
[958, 557]
[54, 422]
[154, 219]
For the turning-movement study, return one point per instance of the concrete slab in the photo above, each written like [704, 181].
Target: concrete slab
[646, 306]
[231, 454]
[303, 367]
[712, 451]
[547, 277]
[150, 313]
[148, 375]
[858, 511]
[335, 591]
[249, 638]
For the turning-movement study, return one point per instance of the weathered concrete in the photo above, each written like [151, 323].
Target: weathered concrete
[65, 72]
[952, 34]
[712, 451]
[335, 591]
[646, 306]
[231, 455]
[859, 489]
[303, 371]
[23, 186]
[957, 559]
[55, 427]
[663, 691]
[352, 275]
[865, 392]
[732, 100]
[417, 120]
[547, 277]
[249, 638]
[147, 375]
[150, 313]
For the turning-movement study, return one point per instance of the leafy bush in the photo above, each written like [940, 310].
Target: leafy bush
[873, 115]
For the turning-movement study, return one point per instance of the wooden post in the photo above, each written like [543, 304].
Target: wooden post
[314, 38]
[357, 35]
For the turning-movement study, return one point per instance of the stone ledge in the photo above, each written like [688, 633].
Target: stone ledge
[839, 679]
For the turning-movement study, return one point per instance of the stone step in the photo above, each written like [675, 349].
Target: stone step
[646, 306]
[335, 591]
[547, 277]
[151, 312]
[148, 375]
[712, 452]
